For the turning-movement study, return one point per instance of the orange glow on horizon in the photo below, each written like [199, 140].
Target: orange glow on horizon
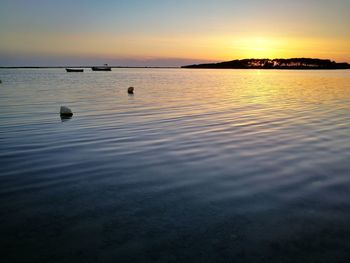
[214, 48]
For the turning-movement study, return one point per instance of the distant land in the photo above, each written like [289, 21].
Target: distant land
[279, 63]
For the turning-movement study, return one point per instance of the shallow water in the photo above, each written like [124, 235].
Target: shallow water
[197, 166]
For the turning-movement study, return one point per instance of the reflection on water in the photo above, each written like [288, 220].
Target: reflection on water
[216, 165]
[65, 118]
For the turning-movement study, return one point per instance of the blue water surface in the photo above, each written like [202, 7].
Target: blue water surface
[196, 166]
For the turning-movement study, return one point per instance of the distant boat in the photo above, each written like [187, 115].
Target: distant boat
[74, 70]
[105, 67]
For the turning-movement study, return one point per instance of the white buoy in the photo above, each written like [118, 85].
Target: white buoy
[66, 112]
[131, 90]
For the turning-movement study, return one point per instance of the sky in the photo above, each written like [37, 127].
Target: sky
[170, 33]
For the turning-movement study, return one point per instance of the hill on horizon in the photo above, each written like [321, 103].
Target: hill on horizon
[278, 63]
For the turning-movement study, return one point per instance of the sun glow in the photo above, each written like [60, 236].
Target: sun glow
[260, 44]
[259, 47]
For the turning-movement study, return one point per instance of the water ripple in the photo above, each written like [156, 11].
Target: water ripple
[202, 152]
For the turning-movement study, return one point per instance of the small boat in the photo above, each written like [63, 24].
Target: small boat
[74, 70]
[105, 67]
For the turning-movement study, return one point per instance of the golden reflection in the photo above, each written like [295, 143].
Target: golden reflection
[279, 88]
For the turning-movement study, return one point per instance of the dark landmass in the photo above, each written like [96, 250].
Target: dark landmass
[291, 63]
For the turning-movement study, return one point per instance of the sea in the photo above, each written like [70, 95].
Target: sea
[197, 165]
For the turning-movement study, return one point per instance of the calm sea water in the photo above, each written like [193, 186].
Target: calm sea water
[197, 166]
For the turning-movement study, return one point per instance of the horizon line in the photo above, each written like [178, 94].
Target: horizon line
[212, 62]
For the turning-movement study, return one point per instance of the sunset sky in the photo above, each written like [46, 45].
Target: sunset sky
[170, 33]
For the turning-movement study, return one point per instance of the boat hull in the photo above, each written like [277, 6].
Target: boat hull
[74, 70]
[101, 68]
